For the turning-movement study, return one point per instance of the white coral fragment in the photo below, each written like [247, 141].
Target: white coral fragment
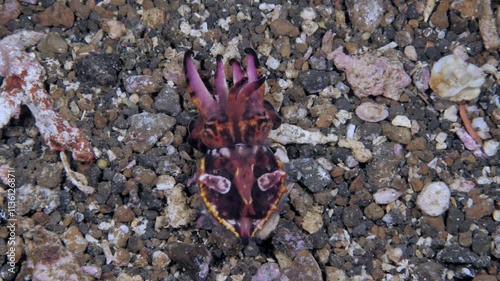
[358, 149]
[456, 80]
[288, 133]
[178, 213]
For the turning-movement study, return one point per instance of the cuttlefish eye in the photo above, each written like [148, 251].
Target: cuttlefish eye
[210, 128]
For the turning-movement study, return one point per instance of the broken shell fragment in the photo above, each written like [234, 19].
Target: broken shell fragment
[456, 80]
[401, 121]
[491, 147]
[481, 127]
[386, 195]
[372, 112]
[434, 199]
[358, 149]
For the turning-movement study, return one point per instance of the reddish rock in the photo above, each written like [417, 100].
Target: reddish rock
[283, 27]
[440, 18]
[9, 10]
[366, 15]
[124, 214]
[56, 15]
[480, 208]
[82, 11]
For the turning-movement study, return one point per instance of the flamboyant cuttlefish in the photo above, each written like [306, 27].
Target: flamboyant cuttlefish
[240, 180]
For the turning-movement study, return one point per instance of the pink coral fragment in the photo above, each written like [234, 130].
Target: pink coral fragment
[469, 142]
[369, 74]
[23, 84]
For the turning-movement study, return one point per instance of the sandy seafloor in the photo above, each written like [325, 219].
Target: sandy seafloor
[361, 207]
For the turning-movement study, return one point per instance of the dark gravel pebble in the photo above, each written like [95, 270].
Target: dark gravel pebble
[313, 81]
[195, 259]
[101, 69]
[290, 240]
[352, 216]
[311, 174]
[168, 101]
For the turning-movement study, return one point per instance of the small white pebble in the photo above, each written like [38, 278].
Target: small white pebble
[266, 7]
[330, 92]
[185, 28]
[451, 113]
[224, 23]
[282, 155]
[441, 137]
[441, 145]
[411, 53]
[309, 27]
[441, 141]
[434, 199]
[134, 98]
[351, 128]
[490, 147]
[272, 63]
[481, 127]
[401, 121]
[242, 17]
[441, 34]
[308, 14]
[496, 215]
[111, 155]
[386, 195]
[184, 10]
[415, 127]
[343, 115]
[165, 182]
[115, 29]
[283, 83]
[351, 162]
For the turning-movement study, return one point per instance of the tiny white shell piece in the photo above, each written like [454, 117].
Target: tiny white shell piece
[386, 195]
[496, 215]
[462, 185]
[401, 121]
[372, 112]
[491, 147]
[434, 199]
[481, 127]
